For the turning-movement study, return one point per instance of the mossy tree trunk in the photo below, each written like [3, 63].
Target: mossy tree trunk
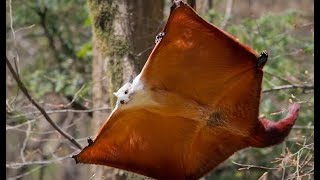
[123, 36]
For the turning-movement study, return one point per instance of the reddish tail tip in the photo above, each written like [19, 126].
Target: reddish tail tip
[270, 133]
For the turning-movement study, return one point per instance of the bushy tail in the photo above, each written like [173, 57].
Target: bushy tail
[270, 133]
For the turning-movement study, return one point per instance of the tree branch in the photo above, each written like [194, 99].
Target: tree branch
[277, 88]
[278, 77]
[43, 112]
[63, 111]
[43, 15]
[192, 3]
[227, 14]
[41, 162]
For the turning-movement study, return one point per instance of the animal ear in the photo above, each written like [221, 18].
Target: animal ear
[115, 93]
[130, 79]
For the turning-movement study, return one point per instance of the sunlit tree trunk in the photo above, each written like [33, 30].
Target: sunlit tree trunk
[123, 36]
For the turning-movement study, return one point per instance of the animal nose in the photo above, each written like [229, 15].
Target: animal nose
[122, 101]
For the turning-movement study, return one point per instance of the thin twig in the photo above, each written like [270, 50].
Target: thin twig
[263, 176]
[27, 173]
[25, 28]
[46, 116]
[248, 166]
[277, 88]
[57, 139]
[142, 52]
[11, 21]
[46, 132]
[278, 77]
[16, 57]
[74, 97]
[20, 125]
[227, 14]
[62, 111]
[27, 163]
[24, 144]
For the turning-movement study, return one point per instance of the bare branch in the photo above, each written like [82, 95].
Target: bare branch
[11, 21]
[248, 166]
[25, 28]
[24, 144]
[293, 86]
[20, 125]
[26, 173]
[144, 51]
[18, 165]
[42, 13]
[278, 77]
[291, 160]
[227, 14]
[43, 112]
[62, 111]
[74, 97]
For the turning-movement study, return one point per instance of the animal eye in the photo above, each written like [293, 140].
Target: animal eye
[122, 101]
[126, 92]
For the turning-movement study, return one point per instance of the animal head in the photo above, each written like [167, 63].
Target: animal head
[124, 93]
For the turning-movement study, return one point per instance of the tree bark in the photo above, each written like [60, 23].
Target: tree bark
[192, 3]
[203, 7]
[123, 36]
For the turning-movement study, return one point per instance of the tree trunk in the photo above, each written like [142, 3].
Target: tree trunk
[203, 7]
[123, 36]
[192, 3]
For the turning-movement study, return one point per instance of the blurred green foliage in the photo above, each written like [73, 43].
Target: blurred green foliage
[62, 36]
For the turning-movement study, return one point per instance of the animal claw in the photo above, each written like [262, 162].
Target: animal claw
[159, 37]
[90, 141]
[75, 158]
[262, 59]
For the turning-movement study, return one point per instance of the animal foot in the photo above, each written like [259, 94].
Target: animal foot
[262, 59]
[90, 141]
[159, 37]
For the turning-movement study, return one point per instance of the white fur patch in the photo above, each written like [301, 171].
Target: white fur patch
[137, 84]
[125, 93]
